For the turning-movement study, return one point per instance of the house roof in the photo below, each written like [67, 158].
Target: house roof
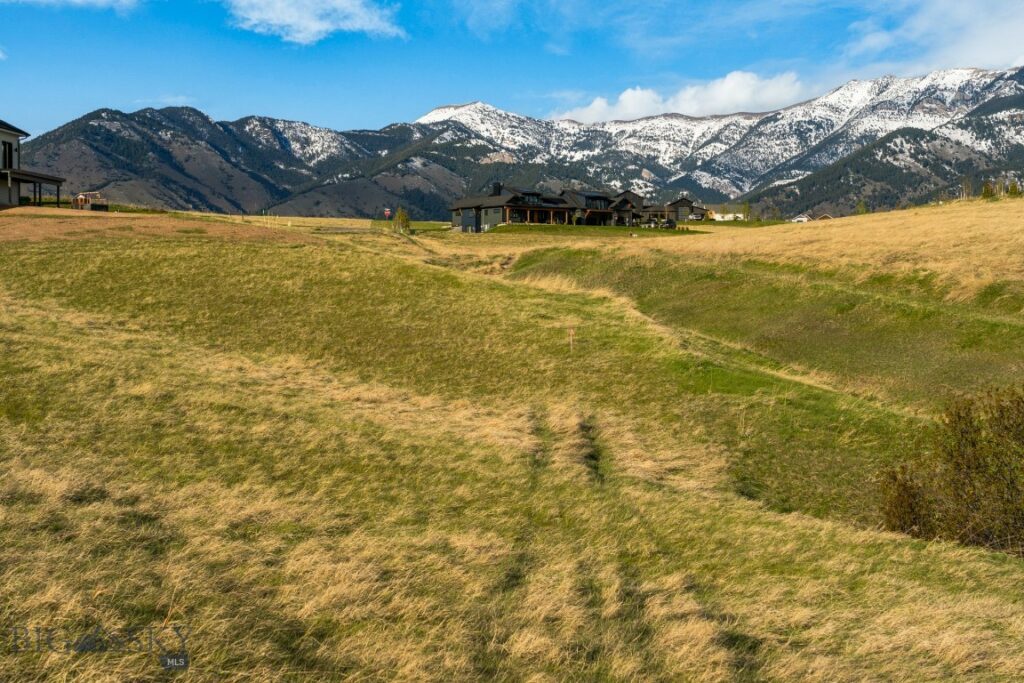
[509, 196]
[13, 129]
[578, 198]
[483, 201]
[665, 207]
[566, 199]
[32, 177]
[572, 198]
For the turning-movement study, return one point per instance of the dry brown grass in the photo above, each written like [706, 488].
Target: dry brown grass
[971, 243]
[281, 222]
[38, 224]
[954, 241]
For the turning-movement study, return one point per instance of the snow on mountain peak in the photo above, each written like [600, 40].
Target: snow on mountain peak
[453, 112]
[739, 151]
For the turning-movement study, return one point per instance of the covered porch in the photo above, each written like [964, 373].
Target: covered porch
[37, 181]
[538, 216]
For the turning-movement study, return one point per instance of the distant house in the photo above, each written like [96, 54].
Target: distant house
[570, 207]
[679, 211]
[825, 217]
[725, 217]
[12, 176]
[629, 208]
[588, 208]
[802, 218]
[90, 201]
[511, 205]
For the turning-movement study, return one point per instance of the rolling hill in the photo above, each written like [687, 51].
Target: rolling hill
[379, 457]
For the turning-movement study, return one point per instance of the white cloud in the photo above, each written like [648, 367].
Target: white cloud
[309, 21]
[297, 21]
[3, 55]
[921, 35]
[483, 17]
[738, 91]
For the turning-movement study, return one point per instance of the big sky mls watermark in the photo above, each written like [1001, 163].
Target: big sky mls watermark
[168, 643]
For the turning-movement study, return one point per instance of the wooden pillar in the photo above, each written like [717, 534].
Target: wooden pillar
[58, 196]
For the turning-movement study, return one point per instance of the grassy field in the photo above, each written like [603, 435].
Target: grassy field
[526, 455]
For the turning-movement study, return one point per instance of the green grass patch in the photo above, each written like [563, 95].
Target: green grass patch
[898, 339]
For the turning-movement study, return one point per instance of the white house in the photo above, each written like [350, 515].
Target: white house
[802, 218]
[723, 217]
[12, 177]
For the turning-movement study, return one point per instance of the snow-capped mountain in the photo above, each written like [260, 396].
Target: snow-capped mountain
[738, 153]
[180, 158]
[914, 165]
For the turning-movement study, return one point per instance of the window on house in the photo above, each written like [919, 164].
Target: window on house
[8, 155]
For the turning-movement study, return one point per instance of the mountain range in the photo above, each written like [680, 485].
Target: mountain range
[884, 142]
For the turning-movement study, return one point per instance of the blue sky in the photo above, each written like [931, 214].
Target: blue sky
[366, 63]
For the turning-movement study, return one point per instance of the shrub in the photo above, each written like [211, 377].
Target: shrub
[401, 222]
[906, 507]
[969, 487]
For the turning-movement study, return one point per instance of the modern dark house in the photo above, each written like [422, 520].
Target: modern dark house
[679, 211]
[570, 207]
[509, 205]
[12, 176]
